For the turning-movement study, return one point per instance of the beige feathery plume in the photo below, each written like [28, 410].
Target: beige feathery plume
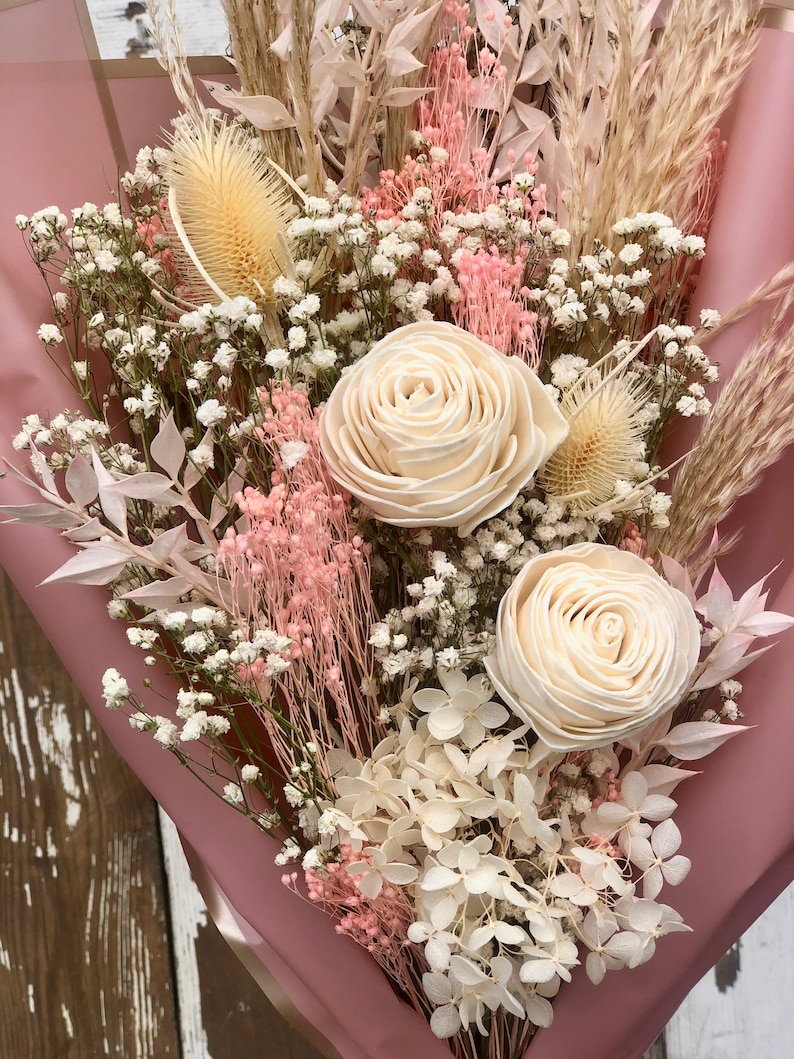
[659, 122]
[604, 444]
[171, 54]
[229, 210]
[748, 429]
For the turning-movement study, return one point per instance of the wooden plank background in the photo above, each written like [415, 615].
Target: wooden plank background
[105, 946]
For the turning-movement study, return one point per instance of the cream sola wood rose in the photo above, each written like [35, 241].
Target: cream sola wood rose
[432, 427]
[592, 645]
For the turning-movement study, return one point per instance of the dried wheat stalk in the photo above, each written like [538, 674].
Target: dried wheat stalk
[253, 26]
[747, 431]
[171, 55]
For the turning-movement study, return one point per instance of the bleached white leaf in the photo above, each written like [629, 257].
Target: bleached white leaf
[721, 667]
[81, 481]
[148, 485]
[535, 67]
[114, 506]
[663, 779]
[168, 448]
[40, 515]
[400, 61]
[404, 97]
[370, 16]
[87, 531]
[412, 31]
[164, 545]
[158, 595]
[437, 987]
[97, 565]
[696, 739]
[264, 112]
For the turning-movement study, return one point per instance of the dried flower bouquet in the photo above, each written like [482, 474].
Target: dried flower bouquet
[375, 372]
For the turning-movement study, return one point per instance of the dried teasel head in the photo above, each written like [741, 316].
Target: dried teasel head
[229, 211]
[604, 444]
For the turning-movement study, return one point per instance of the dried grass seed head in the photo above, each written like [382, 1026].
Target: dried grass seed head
[230, 211]
[605, 442]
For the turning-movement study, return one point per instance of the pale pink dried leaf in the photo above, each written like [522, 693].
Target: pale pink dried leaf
[491, 15]
[148, 485]
[40, 515]
[81, 481]
[158, 595]
[114, 506]
[404, 97]
[663, 779]
[370, 16]
[717, 605]
[168, 448]
[695, 739]
[412, 31]
[165, 544]
[97, 565]
[721, 667]
[400, 61]
[87, 531]
[678, 577]
[535, 67]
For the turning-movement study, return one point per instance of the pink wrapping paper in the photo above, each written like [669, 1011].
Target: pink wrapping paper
[57, 150]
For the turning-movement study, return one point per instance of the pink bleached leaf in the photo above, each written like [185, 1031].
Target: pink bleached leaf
[97, 565]
[264, 112]
[400, 61]
[663, 779]
[81, 481]
[696, 739]
[148, 485]
[114, 506]
[412, 31]
[159, 594]
[221, 93]
[726, 666]
[534, 120]
[40, 465]
[166, 543]
[404, 97]
[168, 448]
[767, 623]
[87, 531]
[678, 577]
[370, 16]
[535, 67]
[40, 515]
[282, 45]
[649, 736]
[717, 605]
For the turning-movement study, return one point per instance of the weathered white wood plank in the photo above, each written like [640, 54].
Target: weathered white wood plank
[742, 1009]
[188, 915]
[84, 964]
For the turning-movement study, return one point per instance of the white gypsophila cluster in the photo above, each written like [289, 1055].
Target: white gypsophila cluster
[514, 861]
